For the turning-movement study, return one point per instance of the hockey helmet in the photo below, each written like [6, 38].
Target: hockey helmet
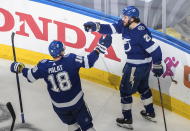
[130, 11]
[55, 48]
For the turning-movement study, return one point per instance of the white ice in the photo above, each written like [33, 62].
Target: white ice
[103, 102]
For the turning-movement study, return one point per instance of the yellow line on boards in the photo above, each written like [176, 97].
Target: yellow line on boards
[102, 77]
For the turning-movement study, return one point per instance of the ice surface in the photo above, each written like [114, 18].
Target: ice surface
[104, 104]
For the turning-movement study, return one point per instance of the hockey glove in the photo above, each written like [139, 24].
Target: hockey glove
[104, 43]
[91, 26]
[157, 69]
[17, 67]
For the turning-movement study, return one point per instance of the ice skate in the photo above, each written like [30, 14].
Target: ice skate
[121, 122]
[148, 116]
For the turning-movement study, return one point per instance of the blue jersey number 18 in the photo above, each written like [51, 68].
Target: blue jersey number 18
[63, 81]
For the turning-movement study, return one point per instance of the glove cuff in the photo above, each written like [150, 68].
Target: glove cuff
[101, 49]
[21, 66]
[157, 66]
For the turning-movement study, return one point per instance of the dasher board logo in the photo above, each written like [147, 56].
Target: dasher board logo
[186, 78]
[170, 62]
[41, 31]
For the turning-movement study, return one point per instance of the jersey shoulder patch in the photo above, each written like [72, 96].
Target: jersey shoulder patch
[144, 33]
[141, 27]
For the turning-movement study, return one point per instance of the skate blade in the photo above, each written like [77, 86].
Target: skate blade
[127, 126]
[150, 119]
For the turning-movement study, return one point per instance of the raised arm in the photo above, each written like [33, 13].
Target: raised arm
[89, 60]
[103, 28]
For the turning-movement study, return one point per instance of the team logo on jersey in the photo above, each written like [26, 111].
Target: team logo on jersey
[127, 45]
[141, 27]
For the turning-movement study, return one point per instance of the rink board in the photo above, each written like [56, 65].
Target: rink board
[40, 28]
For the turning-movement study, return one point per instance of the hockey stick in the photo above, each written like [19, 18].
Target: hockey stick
[115, 87]
[161, 101]
[17, 78]
[12, 112]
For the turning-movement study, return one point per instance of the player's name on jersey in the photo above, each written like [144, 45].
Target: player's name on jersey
[55, 69]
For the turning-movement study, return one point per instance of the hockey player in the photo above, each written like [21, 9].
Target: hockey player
[142, 54]
[63, 82]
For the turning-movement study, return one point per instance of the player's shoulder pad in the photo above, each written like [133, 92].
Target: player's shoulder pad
[141, 27]
[70, 55]
[142, 30]
[42, 62]
[119, 22]
[73, 57]
[77, 57]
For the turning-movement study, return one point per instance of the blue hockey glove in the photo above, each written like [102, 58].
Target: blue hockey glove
[104, 43]
[17, 67]
[91, 26]
[157, 69]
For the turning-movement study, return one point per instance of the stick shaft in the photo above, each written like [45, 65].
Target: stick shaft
[161, 100]
[17, 78]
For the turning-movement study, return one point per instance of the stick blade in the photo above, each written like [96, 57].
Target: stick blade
[11, 110]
